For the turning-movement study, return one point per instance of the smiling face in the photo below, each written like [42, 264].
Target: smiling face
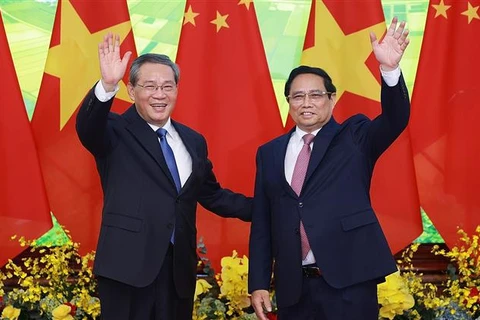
[312, 112]
[154, 106]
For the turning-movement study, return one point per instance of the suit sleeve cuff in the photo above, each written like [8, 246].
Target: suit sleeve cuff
[102, 95]
[391, 77]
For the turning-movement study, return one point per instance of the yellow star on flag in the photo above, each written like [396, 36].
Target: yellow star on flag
[189, 16]
[246, 3]
[220, 21]
[75, 60]
[343, 56]
[471, 13]
[441, 9]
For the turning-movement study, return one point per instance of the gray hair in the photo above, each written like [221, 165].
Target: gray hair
[152, 58]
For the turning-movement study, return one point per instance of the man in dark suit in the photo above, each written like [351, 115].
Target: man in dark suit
[153, 171]
[313, 224]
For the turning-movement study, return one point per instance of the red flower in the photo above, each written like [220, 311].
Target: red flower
[73, 308]
[474, 292]
[272, 316]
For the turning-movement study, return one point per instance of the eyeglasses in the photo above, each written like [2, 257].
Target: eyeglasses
[151, 88]
[315, 96]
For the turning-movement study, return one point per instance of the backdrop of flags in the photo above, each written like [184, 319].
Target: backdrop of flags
[24, 209]
[445, 112]
[226, 93]
[72, 68]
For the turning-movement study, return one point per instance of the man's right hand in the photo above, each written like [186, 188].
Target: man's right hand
[112, 67]
[261, 303]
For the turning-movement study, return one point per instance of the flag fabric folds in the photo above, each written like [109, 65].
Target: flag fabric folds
[345, 52]
[445, 112]
[226, 93]
[72, 68]
[24, 208]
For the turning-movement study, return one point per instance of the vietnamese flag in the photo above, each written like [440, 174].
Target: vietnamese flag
[24, 208]
[445, 113]
[226, 93]
[337, 41]
[72, 68]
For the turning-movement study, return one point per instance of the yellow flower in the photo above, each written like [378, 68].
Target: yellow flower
[394, 296]
[62, 312]
[202, 286]
[233, 283]
[11, 313]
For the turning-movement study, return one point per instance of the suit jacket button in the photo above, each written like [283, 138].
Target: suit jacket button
[297, 231]
[170, 225]
[300, 204]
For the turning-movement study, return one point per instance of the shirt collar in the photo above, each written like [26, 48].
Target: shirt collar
[167, 126]
[299, 133]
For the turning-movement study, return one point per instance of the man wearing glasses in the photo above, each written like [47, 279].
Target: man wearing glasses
[153, 172]
[313, 225]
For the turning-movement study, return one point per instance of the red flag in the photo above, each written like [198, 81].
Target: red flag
[445, 112]
[72, 67]
[345, 52]
[23, 204]
[225, 92]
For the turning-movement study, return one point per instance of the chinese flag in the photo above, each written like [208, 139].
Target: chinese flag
[445, 113]
[226, 94]
[337, 41]
[23, 204]
[72, 68]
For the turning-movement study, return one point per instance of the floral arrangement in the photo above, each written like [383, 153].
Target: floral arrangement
[405, 296]
[56, 283]
[224, 295]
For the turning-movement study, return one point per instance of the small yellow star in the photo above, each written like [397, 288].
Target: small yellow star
[220, 21]
[189, 16]
[441, 9]
[246, 3]
[471, 13]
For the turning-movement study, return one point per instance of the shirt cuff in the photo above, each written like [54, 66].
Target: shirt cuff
[391, 77]
[102, 95]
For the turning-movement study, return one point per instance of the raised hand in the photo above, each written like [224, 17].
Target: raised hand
[112, 67]
[390, 49]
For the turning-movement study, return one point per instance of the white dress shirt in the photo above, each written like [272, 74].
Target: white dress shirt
[182, 157]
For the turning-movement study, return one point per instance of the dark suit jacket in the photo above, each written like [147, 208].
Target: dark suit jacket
[344, 233]
[141, 204]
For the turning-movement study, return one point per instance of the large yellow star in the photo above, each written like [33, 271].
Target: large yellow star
[75, 60]
[441, 9]
[246, 3]
[189, 16]
[343, 56]
[471, 13]
[220, 21]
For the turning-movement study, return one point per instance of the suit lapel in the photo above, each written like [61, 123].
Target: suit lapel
[147, 138]
[320, 145]
[279, 161]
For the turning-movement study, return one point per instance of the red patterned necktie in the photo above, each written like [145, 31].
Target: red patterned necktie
[298, 178]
